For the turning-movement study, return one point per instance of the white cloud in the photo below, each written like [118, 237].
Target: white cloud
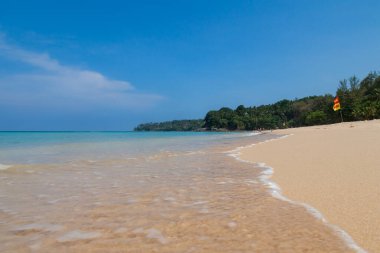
[54, 84]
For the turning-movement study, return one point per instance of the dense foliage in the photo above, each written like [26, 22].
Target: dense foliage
[285, 113]
[360, 100]
[175, 125]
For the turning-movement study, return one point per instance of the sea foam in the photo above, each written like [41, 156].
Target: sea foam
[4, 167]
[78, 235]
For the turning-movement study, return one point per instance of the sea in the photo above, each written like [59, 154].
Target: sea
[148, 192]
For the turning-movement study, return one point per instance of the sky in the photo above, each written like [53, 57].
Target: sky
[110, 65]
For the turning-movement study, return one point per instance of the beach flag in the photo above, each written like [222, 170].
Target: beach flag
[336, 106]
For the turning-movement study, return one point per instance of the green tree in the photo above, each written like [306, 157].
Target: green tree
[316, 118]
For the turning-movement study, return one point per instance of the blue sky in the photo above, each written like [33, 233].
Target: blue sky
[109, 65]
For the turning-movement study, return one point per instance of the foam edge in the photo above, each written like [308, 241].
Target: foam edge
[4, 167]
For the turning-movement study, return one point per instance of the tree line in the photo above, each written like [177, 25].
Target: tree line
[360, 100]
[175, 125]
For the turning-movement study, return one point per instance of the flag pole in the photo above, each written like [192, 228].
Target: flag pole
[337, 107]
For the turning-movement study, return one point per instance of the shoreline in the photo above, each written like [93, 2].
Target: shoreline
[317, 167]
[276, 192]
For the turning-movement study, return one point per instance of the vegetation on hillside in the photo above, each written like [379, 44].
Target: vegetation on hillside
[175, 125]
[282, 114]
[360, 100]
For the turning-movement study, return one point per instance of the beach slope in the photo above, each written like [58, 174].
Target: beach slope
[335, 169]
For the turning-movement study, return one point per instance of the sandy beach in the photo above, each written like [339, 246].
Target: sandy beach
[335, 169]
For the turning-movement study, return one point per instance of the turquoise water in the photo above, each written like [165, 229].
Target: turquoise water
[52, 147]
[22, 139]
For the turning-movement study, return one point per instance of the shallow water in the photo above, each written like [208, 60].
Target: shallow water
[158, 194]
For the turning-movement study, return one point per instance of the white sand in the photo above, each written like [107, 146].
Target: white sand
[335, 169]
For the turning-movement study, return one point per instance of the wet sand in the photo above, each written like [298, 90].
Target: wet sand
[335, 169]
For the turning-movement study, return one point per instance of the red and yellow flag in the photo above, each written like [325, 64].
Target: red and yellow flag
[336, 106]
